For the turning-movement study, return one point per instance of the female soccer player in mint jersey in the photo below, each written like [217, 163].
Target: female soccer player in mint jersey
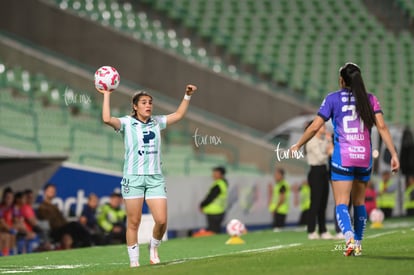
[353, 112]
[142, 176]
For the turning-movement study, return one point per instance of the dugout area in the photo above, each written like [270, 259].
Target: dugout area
[27, 170]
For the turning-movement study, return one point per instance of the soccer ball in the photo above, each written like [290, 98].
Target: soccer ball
[376, 216]
[235, 228]
[107, 78]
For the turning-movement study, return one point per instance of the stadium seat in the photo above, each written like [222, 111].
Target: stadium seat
[407, 6]
[122, 16]
[297, 43]
[287, 18]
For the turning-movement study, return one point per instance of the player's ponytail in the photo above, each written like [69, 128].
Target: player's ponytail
[352, 77]
[135, 99]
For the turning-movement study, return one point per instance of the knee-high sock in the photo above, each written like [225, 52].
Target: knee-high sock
[360, 220]
[344, 221]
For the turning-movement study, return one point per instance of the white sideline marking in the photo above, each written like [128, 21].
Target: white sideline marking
[256, 250]
[381, 234]
[15, 271]
[27, 269]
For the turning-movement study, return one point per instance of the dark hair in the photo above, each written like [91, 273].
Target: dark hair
[49, 185]
[352, 77]
[115, 195]
[220, 169]
[91, 195]
[18, 196]
[6, 191]
[135, 99]
[281, 171]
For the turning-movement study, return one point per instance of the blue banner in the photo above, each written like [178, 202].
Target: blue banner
[73, 186]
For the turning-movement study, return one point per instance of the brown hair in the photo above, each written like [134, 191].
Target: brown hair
[135, 99]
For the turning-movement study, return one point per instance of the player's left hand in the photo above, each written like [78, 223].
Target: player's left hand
[395, 164]
[190, 89]
[293, 149]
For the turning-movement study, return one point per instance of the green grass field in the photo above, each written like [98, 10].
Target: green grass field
[385, 251]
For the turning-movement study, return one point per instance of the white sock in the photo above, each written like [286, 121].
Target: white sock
[133, 253]
[155, 242]
[358, 242]
[349, 235]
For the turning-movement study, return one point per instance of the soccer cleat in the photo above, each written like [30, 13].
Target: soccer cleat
[358, 250]
[134, 264]
[153, 251]
[350, 247]
[313, 236]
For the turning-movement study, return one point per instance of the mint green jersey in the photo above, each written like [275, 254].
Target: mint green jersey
[142, 142]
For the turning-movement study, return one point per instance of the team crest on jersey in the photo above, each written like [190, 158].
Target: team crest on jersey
[154, 122]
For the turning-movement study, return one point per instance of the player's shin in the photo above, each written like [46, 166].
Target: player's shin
[360, 221]
[344, 221]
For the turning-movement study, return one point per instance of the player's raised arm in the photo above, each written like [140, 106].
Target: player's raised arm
[182, 109]
[106, 111]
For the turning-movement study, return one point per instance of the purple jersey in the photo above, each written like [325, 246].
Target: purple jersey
[352, 139]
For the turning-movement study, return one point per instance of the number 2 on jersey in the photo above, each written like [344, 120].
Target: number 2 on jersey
[352, 117]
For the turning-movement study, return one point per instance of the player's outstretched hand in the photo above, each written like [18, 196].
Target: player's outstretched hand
[190, 89]
[102, 91]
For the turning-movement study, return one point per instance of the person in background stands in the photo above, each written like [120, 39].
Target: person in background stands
[88, 218]
[387, 194]
[318, 149]
[279, 202]
[7, 231]
[302, 198]
[57, 223]
[30, 218]
[111, 219]
[27, 239]
[215, 203]
[409, 197]
[28, 193]
[370, 197]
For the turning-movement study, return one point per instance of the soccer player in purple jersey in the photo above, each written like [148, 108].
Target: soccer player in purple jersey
[353, 112]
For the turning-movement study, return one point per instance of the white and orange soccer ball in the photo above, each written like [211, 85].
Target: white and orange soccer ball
[107, 78]
[376, 216]
[235, 228]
